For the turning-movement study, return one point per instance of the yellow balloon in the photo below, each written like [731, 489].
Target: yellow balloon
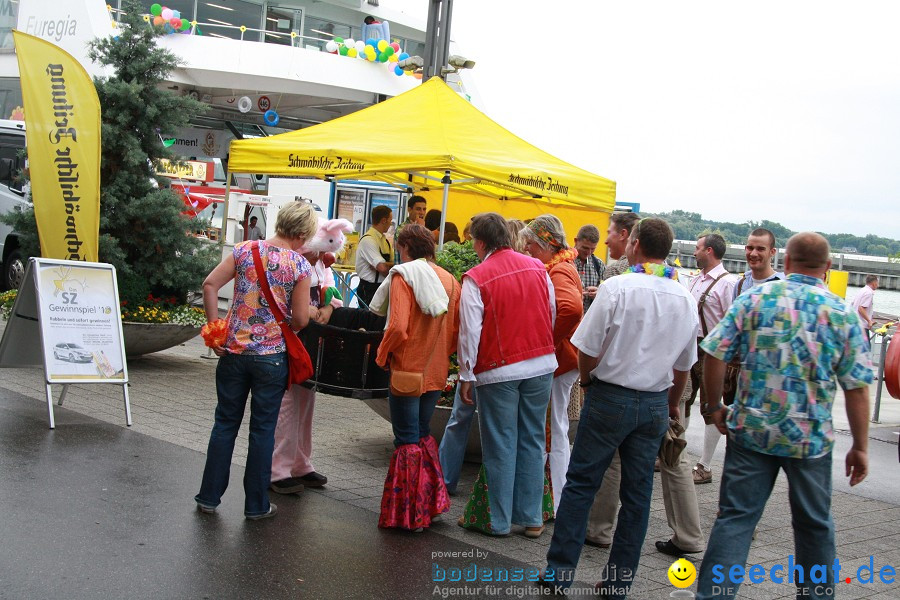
[352, 53]
[382, 44]
[393, 58]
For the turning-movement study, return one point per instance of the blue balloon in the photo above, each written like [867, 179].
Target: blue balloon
[271, 118]
[372, 42]
[398, 71]
[403, 56]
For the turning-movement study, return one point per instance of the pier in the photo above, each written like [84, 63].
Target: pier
[857, 265]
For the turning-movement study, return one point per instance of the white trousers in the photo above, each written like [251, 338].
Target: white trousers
[560, 451]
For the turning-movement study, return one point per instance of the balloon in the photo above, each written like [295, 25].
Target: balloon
[185, 24]
[403, 56]
[371, 42]
[396, 47]
[393, 58]
[331, 47]
[352, 53]
[158, 20]
[166, 14]
[360, 46]
[339, 40]
[342, 50]
[155, 10]
[382, 44]
[176, 14]
[389, 51]
[398, 71]
[349, 43]
[175, 23]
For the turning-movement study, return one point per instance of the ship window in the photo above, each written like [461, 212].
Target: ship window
[318, 32]
[223, 18]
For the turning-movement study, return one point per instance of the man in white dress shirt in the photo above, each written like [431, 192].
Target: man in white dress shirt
[633, 386]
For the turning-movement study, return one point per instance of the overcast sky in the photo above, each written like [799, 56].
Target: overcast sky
[788, 111]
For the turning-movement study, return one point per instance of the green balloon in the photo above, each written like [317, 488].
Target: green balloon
[185, 24]
[389, 51]
[156, 10]
[343, 50]
[339, 40]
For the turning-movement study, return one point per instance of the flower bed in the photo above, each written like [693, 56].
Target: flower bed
[151, 310]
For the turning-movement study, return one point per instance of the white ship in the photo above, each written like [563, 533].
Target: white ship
[263, 67]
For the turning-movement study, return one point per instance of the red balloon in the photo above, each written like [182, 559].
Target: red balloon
[176, 23]
[396, 47]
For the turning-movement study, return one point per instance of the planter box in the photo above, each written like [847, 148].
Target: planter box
[144, 338]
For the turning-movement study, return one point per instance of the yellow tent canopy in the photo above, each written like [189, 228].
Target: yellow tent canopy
[415, 140]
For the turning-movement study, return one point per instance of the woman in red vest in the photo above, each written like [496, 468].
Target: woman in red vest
[545, 239]
[506, 350]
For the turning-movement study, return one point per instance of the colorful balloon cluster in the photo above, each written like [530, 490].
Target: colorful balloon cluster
[371, 50]
[163, 16]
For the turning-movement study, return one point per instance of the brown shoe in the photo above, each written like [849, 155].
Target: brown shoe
[534, 532]
[701, 474]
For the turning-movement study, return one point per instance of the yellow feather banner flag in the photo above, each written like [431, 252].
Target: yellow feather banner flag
[62, 128]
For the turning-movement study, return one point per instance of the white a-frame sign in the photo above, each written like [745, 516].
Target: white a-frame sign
[66, 318]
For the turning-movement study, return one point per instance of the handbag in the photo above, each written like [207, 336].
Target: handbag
[672, 444]
[299, 364]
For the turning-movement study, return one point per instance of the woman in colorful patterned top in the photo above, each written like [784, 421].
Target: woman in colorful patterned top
[545, 240]
[253, 357]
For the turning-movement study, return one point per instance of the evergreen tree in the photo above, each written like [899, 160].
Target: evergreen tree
[143, 232]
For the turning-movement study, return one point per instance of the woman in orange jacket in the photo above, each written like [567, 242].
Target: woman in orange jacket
[422, 304]
[545, 240]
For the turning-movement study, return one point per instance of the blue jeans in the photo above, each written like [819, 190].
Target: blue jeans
[634, 422]
[236, 376]
[452, 450]
[411, 416]
[747, 481]
[512, 416]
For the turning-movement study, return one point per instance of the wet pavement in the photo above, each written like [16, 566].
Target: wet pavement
[97, 510]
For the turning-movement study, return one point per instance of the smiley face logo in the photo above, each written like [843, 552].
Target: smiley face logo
[682, 573]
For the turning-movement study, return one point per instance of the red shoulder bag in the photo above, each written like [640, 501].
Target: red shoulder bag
[299, 363]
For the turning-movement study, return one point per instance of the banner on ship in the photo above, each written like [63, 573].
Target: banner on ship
[62, 127]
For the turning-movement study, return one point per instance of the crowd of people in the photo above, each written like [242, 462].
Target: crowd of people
[539, 326]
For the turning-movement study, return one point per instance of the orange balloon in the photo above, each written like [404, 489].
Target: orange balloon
[158, 20]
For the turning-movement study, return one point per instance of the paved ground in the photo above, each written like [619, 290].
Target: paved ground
[94, 509]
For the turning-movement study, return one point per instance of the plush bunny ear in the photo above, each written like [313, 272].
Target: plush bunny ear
[340, 224]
